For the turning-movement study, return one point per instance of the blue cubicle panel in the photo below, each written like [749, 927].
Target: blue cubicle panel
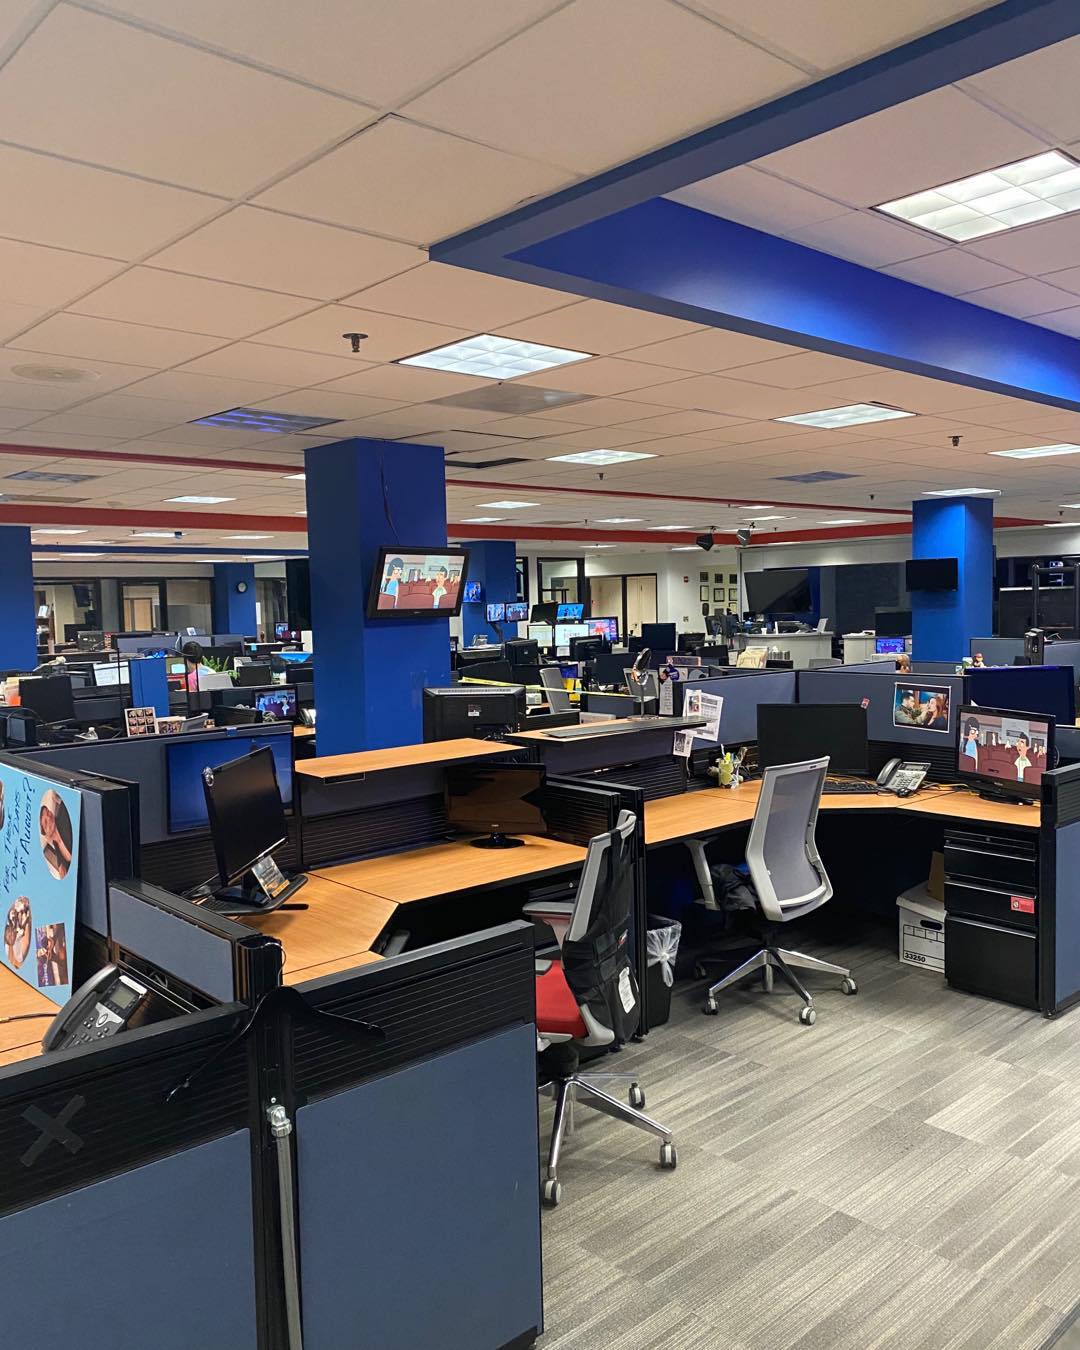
[742, 692]
[877, 689]
[997, 651]
[160, 1256]
[1067, 913]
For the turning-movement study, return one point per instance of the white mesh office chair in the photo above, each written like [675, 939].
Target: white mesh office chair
[788, 876]
[589, 997]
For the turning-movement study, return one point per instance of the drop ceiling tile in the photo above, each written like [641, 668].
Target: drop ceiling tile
[209, 393]
[807, 368]
[326, 403]
[686, 421]
[1061, 321]
[1039, 89]
[167, 299]
[902, 150]
[15, 318]
[81, 336]
[48, 277]
[603, 375]
[370, 183]
[864, 238]
[13, 418]
[951, 271]
[1048, 246]
[600, 438]
[600, 412]
[79, 421]
[598, 327]
[454, 295]
[1022, 298]
[406, 384]
[67, 442]
[760, 200]
[270, 365]
[59, 93]
[598, 56]
[379, 53]
[736, 398]
[709, 350]
[389, 337]
[117, 217]
[532, 428]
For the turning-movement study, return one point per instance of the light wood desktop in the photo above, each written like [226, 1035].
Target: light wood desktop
[331, 768]
[22, 1040]
[336, 931]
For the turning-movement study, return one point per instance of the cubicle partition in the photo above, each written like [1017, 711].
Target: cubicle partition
[997, 651]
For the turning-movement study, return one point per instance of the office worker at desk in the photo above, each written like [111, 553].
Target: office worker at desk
[196, 666]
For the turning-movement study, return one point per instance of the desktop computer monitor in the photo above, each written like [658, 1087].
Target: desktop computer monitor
[472, 710]
[892, 622]
[108, 673]
[48, 696]
[546, 612]
[789, 733]
[495, 801]
[607, 627]
[496, 613]
[570, 612]
[278, 704]
[250, 676]
[517, 612]
[658, 637]
[89, 639]
[522, 652]
[587, 648]
[888, 646]
[608, 668]
[1006, 751]
[543, 633]
[247, 819]
[186, 758]
[565, 631]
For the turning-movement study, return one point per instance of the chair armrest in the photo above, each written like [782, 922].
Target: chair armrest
[555, 914]
[542, 967]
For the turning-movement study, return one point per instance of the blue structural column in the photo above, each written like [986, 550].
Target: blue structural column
[234, 608]
[943, 622]
[370, 674]
[18, 625]
[493, 563]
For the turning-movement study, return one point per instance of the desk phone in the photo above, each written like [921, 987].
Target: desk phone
[902, 777]
[103, 1006]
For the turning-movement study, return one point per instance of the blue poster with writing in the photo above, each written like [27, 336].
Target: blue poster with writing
[39, 870]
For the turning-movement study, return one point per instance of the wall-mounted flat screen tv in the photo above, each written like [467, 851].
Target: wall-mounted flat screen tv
[781, 590]
[418, 583]
[931, 574]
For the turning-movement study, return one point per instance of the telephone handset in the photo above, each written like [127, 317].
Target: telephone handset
[101, 1007]
[902, 777]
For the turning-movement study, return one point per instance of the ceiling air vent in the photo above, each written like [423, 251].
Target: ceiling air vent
[512, 399]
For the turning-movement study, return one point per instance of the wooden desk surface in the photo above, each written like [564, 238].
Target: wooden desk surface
[339, 963]
[965, 805]
[303, 731]
[16, 998]
[328, 767]
[337, 928]
[442, 869]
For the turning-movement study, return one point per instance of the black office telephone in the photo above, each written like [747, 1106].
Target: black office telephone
[902, 776]
[106, 1004]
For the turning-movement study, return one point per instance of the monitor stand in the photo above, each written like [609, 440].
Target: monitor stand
[239, 900]
[496, 839]
[990, 794]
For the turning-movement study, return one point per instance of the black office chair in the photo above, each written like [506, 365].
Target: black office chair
[589, 997]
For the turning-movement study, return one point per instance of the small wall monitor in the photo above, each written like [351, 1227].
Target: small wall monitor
[892, 622]
[605, 628]
[1008, 751]
[888, 646]
[781, 590]
[570, 613]
[517, 611]
[931, 574]
[472, 593]
[496, 613]
[418, 583]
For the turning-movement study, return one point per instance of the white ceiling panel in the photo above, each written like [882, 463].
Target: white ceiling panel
[684, 422]
[412, 183]
[807, 368]
[283, 253]
[328, 403]
[117, 217]
[389, 337]
[270, 365]
[15, 318]
[1049, 246]
[48, 277]
[437, 293]
[902, 150]
[185, 117]
[374, 51]
[209, 393]
[952, 271]
[600, 412]
[868, 239]
[1022, 298]
[79, 335]
[598, 327]
[123, 429]
[599, 56]
[1039, 89]
[709, 350]
[13, 418]
[761, 200]
[406, 384]
[714, 393]
[604, 375]
[831, 34]
[1062, 321]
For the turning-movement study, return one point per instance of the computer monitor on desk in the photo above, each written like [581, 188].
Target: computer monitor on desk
[523, 652]
[49, 697]
[1004, 753]
[588, 648]
[659, 636]
[789, 733]
[497, 802]
[564, 632]
[473, 710]
[251, 675]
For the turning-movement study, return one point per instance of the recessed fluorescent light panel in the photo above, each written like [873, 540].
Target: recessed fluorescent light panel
[494, 358]
[851, 415]
[1031, 189]
[671, 527]
[261, 419]
[248, 536]
[201, 501]
[618, 520]
[507, 506]
[301, 476]
[843, 520]
[1038, 452]
[1060, 525]
[482, 520]
[685, 548]
[44, 532]
[40, 476]
[600, 457]
[154, 534]
[964, 492]
[757, 519]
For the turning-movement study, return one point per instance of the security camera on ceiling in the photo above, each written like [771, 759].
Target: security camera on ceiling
[744, 535]
[704, 541]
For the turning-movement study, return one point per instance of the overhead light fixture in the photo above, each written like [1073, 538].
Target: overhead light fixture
[761, 506]
[685, 548]
[601, 546]
[262, 419]
[673, 528]
[1070, 506]
[301, 476]
[247, 536]
[1038, 451]
[1060, 525]
[599, 457]
[843, 520]
[494, 358]
[759, 518]
[201, 501]
[508, 506]
[850, 415]
[964, 492]
[153, 534]
[618, 520]
[482, 520]
[1027, 190]
[42, 476]
[42, 532]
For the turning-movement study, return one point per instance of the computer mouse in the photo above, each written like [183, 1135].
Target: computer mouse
[905, 792]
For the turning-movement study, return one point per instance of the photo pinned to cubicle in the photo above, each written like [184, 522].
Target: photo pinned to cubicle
[38, 879]
[925, 707]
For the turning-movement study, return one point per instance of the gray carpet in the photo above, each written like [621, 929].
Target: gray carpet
[906, 1173]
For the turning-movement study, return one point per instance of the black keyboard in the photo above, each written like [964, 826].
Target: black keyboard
[836, 787]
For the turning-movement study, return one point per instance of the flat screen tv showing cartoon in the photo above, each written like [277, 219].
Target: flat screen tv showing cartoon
[418, 583]
[1009, 750]
[517, 611]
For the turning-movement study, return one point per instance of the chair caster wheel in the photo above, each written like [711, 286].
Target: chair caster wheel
[711, 1007]
[699, 971]
[807, 1017]
[669, 1159]
[849, 986]
[552, 1193]
[637, 1097]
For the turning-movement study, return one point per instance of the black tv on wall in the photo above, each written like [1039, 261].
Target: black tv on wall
[418, 583]
[931, 574]
[781, 590]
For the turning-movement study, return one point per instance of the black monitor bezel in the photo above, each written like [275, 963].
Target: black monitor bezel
[1022, 792]
[388, 550]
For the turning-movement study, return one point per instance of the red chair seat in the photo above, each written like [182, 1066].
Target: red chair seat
[557, 1011]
